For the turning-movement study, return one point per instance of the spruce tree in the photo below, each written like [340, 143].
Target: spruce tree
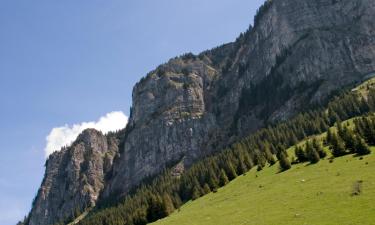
[283, 160]
[349, 139]
[329, 136]
[337, 146]
[223, 180]
[311, 152]
[155, 209]
[318, 147]
[300, 154]
[361, 147]
[230, 171]
[206, 188]
[197, 190]
[168, 205]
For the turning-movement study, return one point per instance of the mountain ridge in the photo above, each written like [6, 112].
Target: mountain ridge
[297, 54]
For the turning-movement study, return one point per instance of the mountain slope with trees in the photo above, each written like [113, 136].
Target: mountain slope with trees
[231, 108]
[165, 193]
[341, 192]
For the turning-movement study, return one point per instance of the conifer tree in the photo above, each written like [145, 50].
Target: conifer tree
[361, 147]
[230, 171]
[311, 153]
[337, 146]
[328, 136]
[268, 153]
[348, 138]
[156, 209]
[223, 178]
[206, 189]
[300, 154]
[283, 159]
[197, 190]
[318, 147]
[168, 204]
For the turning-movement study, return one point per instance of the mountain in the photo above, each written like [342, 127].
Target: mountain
[298, 54]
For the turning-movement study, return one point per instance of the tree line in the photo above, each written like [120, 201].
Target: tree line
[166, 193]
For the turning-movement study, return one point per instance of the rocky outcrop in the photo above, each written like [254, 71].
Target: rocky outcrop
[74, 178]
[298, 53]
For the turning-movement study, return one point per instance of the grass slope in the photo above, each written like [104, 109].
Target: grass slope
[318, 194]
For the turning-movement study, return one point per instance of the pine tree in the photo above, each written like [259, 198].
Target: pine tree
[155, 209]
[230, 171]
[361, 147]
[283, 159]
[318, 147]
[213, 181]
[300, 154]
[206, 189]
[348, 138]
[268, 153]
[168, 204]
[337, 146]
[196, 193]
[197, 190]
[329, 136]
[223, 180]
[311, 153]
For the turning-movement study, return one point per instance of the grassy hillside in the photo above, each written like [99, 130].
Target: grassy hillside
[303, 195]
[320, 194]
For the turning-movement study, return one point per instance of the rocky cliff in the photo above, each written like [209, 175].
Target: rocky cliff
[298, 54]
[74, 178]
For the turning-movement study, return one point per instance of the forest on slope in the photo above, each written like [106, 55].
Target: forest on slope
[268, 147]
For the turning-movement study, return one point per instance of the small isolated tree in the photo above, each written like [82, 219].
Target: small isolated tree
[283, 159]
[361, 147]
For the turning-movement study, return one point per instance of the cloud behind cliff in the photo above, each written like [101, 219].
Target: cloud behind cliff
[65, 135]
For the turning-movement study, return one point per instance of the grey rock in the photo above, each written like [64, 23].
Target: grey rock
[74, 178]
[298, 54]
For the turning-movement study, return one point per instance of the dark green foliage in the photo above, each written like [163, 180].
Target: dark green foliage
[365, 127]
[347, 136]
[312, 153]
[152, 200]
[223, 178]
[319, 148]
[361, 147]
[337, 145]
[168, 204]
[300, 154]
[283, 160]
[156, 209]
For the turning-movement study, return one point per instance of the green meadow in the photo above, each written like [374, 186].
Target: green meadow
[341, 192]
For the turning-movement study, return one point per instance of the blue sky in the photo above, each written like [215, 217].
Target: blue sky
[65, 62]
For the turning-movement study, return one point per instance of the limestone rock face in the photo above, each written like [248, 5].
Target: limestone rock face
[298, 53]
[74, 178]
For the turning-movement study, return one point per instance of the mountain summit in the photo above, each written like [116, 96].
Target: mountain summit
[297, 55]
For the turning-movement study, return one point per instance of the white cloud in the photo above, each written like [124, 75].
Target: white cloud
[65, 135]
